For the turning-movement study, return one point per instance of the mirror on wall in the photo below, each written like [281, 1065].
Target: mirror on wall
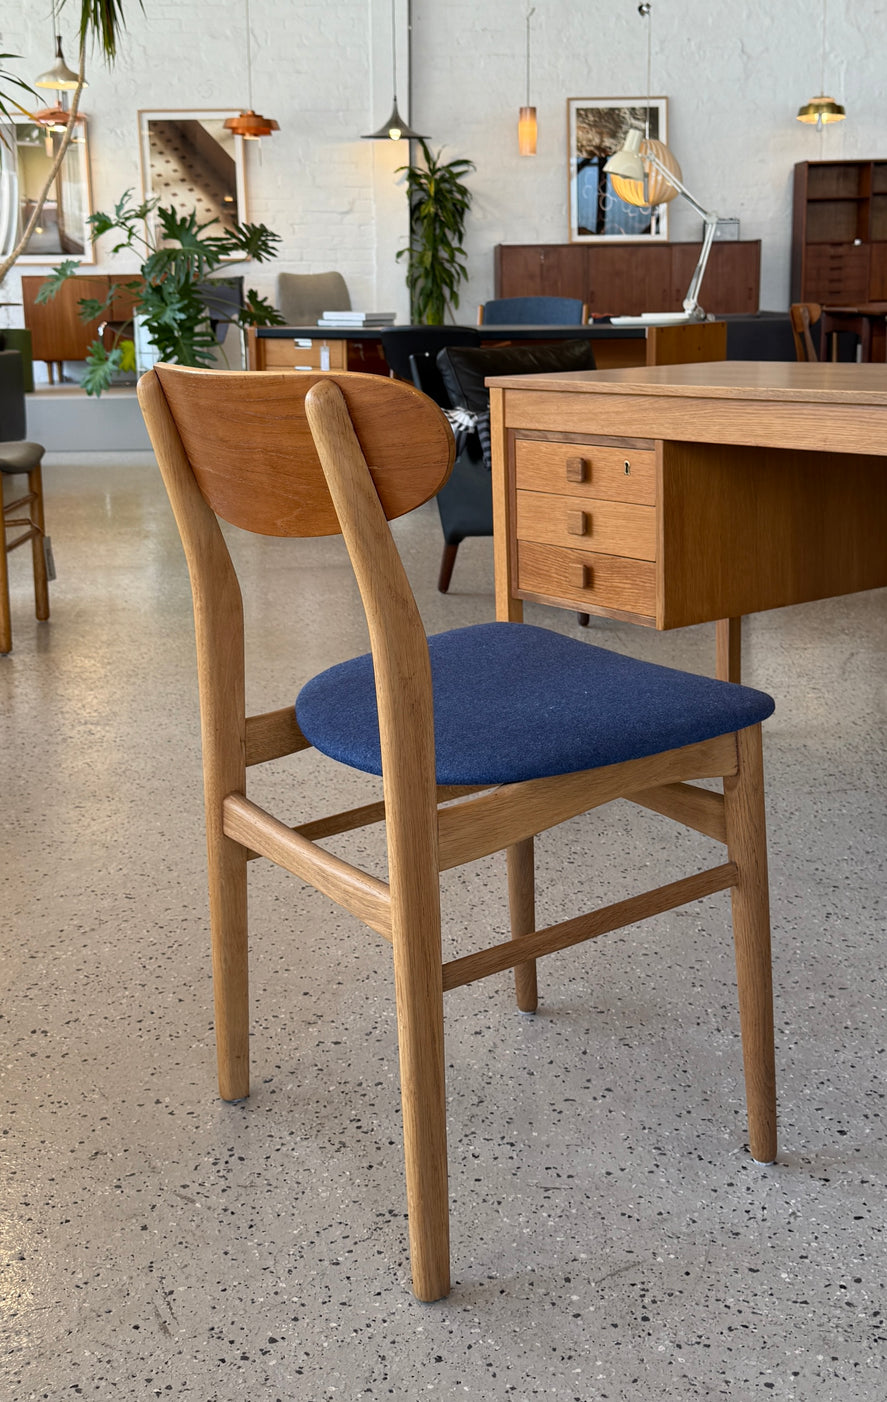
[27, 151]
[192, 162]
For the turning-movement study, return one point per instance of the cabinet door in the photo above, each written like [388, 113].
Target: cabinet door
[57, 332]
[732, 278]
[541, 270]
[626, 279]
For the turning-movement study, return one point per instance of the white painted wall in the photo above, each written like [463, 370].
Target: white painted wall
[734, 74]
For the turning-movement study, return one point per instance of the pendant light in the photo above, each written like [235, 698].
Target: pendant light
[395, 128]
[56, 119]
[250, 124]
[633, 179]
[821, 110]
[526, 123]
[59, 77]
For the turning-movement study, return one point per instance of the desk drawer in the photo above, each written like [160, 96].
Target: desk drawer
[282, 354]
[586, 579]
[586, 469]
[610, 527]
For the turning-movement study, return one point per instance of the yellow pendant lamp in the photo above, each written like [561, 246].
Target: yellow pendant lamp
[526, 123]
[635, 180]
[822, 110]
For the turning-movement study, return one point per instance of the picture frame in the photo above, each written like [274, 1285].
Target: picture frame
[27, 152]
[596, 128]
[191, 161]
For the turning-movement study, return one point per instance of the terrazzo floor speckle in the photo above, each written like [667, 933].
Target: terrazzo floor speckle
[611, 1237]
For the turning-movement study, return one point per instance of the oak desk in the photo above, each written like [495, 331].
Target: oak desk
[687, 494]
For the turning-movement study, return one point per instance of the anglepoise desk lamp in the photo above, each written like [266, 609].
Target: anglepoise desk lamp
[631, 169]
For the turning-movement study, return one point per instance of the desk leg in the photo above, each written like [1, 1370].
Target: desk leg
[728, 649]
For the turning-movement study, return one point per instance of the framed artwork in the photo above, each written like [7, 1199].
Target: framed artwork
[192, 162]
[596, 128]
[27, 152]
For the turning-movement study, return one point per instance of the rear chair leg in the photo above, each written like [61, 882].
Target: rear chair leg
[522, 905]
[747, 847]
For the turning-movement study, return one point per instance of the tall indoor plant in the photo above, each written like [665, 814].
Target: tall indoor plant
[177, 255]
[439, 205]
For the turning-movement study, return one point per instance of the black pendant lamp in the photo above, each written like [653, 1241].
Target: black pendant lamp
[395, 128]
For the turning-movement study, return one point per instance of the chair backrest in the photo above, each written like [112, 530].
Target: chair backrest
[245, 439]
[12, 398]
[400, 342]
[465, 369]
[803, 316]
[768, 336]
[303, 297]
[532, 311]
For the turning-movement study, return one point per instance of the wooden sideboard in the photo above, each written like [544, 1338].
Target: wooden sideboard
[839, 232]
[626, 279]
[57, 331]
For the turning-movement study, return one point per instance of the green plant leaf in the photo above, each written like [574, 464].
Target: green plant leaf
[50, 287]
[101, 367]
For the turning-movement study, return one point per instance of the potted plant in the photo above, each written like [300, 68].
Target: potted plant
[178, 255]
[439, 205]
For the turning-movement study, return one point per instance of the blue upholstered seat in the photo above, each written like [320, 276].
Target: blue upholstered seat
[515, 702]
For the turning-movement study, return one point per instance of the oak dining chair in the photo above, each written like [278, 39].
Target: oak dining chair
[483, 736]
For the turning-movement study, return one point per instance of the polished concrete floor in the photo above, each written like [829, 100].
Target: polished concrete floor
[611, 1237]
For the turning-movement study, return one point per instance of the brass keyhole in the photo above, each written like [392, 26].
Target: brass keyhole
[627, 466]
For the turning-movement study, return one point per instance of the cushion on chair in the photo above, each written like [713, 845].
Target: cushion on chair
[515, 702]
[20, 456]
[464, 369]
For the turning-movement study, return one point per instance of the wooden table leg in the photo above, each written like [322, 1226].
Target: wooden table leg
[728, 649]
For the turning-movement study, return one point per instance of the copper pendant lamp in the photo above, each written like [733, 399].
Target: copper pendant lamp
[251, 125]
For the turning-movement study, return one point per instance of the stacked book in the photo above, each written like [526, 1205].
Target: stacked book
[340, 320]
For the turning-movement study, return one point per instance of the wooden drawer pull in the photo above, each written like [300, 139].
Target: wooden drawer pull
[578, 523]
[578, 470]
[583, 577]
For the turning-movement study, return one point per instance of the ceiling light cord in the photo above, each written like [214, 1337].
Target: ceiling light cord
[645, 12]
[530, 13]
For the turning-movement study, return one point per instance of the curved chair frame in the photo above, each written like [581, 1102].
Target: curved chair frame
[288, 455]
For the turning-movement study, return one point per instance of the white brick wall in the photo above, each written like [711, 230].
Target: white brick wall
[734, 75]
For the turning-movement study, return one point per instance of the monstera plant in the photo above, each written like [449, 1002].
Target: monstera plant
[439, 205]
[178, 254]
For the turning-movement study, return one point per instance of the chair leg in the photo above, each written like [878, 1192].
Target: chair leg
[5, 614]
[747, 846]
[522, 905]
[448, 560]
[41, 587]
[228, 920]
[415, 903]
[583, 619]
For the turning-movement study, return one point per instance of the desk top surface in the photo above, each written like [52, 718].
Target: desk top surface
[722, 379]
